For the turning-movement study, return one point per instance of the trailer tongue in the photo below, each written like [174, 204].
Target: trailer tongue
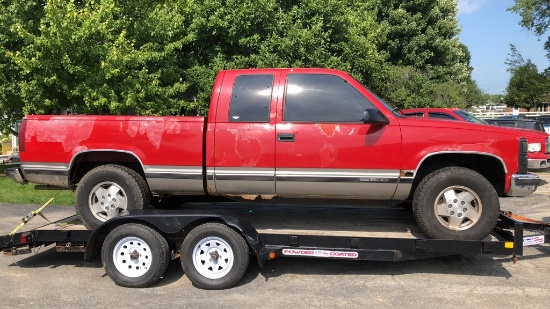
[214, 246]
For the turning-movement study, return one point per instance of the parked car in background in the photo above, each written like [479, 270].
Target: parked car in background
[443, 113]
[538, 143]
[518, 122]
[545, 122]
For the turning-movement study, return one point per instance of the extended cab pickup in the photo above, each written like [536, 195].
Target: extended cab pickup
[283, 133]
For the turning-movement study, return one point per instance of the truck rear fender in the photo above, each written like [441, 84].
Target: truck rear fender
[84, 161]
[175, 226]
[490, 166]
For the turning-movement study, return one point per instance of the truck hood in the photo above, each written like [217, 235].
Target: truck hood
[470, 126]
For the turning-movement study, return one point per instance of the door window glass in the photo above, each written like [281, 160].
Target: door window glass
[251, 98]
[323, 98]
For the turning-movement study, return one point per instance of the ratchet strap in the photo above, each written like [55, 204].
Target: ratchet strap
[31, 215]
[509, 214]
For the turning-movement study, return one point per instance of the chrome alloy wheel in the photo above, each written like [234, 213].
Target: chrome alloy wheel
[458, 208]
[213, 257]
[107, 200]
[132, 257]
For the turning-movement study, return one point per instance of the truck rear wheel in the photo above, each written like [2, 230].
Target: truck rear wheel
[135, 255]
[109, 191]
[456, 203]
[213, 256]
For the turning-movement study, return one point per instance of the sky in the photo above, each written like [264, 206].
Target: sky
[488, 30]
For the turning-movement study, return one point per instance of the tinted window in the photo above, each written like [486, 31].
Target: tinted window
[323, 98]
[251, 98]
[440, 116]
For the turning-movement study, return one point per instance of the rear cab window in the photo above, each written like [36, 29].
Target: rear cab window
[251, 98]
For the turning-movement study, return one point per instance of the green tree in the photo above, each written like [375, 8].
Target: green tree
[515, 59]
[535, 16]
[159, 57]
[15, 17]
[102, 56]
[527, 87]
[271, 33]
[424, 34]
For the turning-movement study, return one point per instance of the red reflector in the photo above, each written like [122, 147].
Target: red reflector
[23, 238]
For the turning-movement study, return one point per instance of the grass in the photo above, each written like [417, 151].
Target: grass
[14, 193]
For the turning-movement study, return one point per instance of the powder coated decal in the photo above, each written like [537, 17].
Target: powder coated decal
[321, 253]
[533, 240]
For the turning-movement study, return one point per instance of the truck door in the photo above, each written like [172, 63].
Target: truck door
[323, 146]
[244, 138]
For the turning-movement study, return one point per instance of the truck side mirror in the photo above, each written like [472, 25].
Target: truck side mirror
[374, 116]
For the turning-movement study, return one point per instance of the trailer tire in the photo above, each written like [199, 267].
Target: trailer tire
[456, 203]
[214, 256]
[124, 189]
[135, 255]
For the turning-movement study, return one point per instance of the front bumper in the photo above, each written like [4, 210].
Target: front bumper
[538, 160]
[537, 164]
[523, 184]
[16, 175]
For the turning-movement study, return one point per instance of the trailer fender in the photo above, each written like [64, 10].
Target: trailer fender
[170, 222]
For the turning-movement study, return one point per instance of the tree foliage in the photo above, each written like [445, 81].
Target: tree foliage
[527, 88]
[158, 57]
[535, 16]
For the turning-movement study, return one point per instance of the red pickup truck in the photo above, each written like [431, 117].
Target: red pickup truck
[314, 134]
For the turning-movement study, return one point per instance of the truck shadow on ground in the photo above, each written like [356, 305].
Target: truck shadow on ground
[48, 257]
[469, 265]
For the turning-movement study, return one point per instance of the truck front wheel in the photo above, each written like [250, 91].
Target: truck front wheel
[456, 203]
[213, 256]
[109, 191]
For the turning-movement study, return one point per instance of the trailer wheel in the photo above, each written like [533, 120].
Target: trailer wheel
[135, 255]
[456, 203]
[213, 256]
[109, 191]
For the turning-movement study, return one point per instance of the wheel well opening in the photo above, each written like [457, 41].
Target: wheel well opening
[489, 167]
[87, 161]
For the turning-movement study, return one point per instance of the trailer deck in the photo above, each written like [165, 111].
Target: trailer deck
[361, 233]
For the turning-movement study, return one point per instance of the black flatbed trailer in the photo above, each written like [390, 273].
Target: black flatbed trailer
[214, 246]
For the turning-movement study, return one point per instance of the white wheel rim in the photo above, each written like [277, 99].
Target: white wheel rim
[458, 208]
[213, 257]
[132, 257]
[107, 200]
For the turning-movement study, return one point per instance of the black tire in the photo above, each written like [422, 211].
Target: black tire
[456, 203]
[135, 255]
[225, 262]
[130, 191]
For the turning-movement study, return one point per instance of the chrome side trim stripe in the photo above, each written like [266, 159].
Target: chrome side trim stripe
[332, 175]
[54, 167]
[174, 179]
